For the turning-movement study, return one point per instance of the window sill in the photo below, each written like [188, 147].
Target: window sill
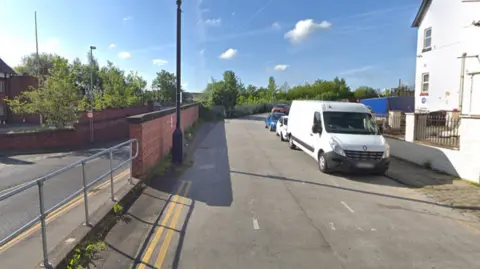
[426, 49]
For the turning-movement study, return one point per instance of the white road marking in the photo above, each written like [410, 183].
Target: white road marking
[358, 228]
[349, 208]
[332, 225]
[373, 230]
[255, 224]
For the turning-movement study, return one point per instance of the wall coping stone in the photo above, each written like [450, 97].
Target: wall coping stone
[141, 118]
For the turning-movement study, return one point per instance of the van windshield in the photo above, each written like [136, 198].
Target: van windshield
[350, 123]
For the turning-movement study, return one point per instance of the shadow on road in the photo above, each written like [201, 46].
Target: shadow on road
[210, 181]
[13, 161]
[355, 190]
[258, 117]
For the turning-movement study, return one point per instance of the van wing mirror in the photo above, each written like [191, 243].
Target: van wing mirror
[316, 129]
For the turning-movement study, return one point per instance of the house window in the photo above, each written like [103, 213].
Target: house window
[2, 85]
[427, 39]
[425, 82]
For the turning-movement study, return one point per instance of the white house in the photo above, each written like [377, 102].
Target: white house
[448, 30]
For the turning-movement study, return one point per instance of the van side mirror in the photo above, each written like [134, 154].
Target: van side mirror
[316, 129]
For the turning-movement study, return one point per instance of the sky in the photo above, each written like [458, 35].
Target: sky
[368, 42]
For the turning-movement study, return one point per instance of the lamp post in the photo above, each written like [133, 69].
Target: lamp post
[177, 149]
[90, 113]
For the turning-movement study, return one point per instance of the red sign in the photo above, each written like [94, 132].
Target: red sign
[90, 114]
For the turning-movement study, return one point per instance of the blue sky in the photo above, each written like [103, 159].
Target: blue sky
[368, 42]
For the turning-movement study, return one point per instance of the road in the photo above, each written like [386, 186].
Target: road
[18, 210]
[251, 202]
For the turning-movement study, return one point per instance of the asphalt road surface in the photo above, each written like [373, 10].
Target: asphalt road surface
[18, 210]
[251, 202]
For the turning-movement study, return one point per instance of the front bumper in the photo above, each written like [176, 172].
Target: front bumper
[337, 162]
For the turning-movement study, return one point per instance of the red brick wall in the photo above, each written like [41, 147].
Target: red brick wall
[155, 136]
[16, 85]
[110, 124]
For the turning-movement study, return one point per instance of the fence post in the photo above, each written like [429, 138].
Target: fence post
[43, 224]
[112, 190]
[409, 127]
[85, 195]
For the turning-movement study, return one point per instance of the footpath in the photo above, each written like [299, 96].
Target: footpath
[440, 188]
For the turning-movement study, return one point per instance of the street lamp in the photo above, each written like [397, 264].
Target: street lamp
[90, 113]
[177, 149]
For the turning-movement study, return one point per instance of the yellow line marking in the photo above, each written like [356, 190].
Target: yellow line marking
[158, 234]
[173, 225]
[59, 211]
[471, 228]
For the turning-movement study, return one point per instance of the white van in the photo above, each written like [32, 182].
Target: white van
[339, 135]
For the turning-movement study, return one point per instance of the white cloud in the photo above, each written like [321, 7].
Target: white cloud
[127, 18]
[213, 22]
[124, 55]
[304, 28]
[112, 46]
[276, 25]
[185, 85]
[228, 54]
[280, 67]
[159, 62]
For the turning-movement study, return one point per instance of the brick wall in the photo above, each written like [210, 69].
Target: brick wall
[154, 133]
[109, 124]
[15, 86]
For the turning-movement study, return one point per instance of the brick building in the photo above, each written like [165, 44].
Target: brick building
[12, 85]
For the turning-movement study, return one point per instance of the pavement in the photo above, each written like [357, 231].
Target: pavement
[248, 201]
[18, 210]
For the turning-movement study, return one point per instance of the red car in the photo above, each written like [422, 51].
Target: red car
[281, 108]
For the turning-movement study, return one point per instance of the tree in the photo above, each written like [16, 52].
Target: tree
[272, 87]
[166, 83]
[32, 66]
[55, 99]
[364, 92]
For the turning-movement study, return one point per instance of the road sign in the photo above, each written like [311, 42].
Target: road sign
[90, 114]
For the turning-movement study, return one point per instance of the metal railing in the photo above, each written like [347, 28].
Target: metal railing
[86, 186]
[438, 128]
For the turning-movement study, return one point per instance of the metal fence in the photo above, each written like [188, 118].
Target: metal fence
[45, 212]
[392, 124]
[438, 129]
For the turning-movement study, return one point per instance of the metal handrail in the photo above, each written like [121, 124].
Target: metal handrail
[40, 182]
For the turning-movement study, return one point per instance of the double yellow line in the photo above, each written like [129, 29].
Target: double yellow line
[60, 211]
[185, 186]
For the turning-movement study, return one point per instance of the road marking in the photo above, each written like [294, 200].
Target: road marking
[332, 226]
[373, 230]
[60, 211]
[349, 209]
[466, 225]
[151, 247]
[173, 225]
[255, 224]
[358, 228]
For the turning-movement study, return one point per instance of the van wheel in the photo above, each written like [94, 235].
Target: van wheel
[290, 143]
[281, 137]
[322, 163]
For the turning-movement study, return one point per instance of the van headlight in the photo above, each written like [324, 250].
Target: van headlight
[336, 147]
[386, 153]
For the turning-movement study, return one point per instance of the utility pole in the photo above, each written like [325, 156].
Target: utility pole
[38, 62]
[90, 113]
[177, 150]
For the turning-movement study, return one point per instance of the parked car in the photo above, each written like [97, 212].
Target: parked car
[339, 135]
[271, 120]
[283, 108]
[282, 130]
